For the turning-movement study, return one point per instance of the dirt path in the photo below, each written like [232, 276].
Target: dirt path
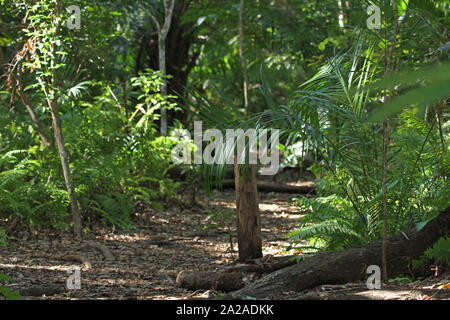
[148, 257]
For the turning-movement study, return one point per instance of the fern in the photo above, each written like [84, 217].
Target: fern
[329, 229]
[8, 293]
[334, 106]
[332, 220]
[439, 252]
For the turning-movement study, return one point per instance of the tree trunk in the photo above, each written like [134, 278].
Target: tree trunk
[349, 265]
[15, 80]
[341, 14]
[57, 130]
[384, 199]
[162, 35]
[386, 141]
[247, 208]
[52, 101]
[180, 58]
[26, 101]
[248, 217]
[241, 55]
[162, 68]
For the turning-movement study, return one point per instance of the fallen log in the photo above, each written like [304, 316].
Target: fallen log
[349, 265]
[263, 265]
[267, 186]
[227, 281]
[232, 277]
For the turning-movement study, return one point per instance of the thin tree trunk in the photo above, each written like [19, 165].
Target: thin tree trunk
[247, 208]
[57, 132]
[241, 55]
[349, 265]
[25, 100]
[23, 96]
[341, 14]
[385, 206]
[65, 164]
[162, 68]
[162, 35]
[386, 141]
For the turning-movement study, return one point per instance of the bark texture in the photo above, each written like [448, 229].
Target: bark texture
[248, 217]
[350, 264]
[194, 280]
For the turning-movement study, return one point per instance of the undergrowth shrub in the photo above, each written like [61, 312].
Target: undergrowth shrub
[114, 162]
[330, 223]
[28, 191]
[349, 210]
[6, 292]
[438, 253]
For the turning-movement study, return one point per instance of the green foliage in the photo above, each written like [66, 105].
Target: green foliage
[114, 168]
[109, 110]
[436, 88]
[111, 168]
[330, 223]
[27, 191]
[334, 106]
[8, 293]
[3, 238]
[150, 84]
[401, 280]
[439, 253]
[115, 159]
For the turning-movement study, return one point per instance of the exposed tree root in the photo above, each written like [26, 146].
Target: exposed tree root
[350, 264]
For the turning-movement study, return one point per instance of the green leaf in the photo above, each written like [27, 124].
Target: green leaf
[323, 44]
[10, 294]
[427, 95]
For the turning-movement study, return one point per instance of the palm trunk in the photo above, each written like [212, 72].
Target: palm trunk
[248, 217]
[247, 208]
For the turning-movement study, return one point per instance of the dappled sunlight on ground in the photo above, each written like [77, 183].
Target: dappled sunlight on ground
[149, 256]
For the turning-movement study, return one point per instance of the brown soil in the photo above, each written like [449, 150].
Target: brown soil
[162, 243]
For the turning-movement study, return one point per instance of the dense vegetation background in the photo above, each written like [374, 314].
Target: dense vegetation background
[364, 110]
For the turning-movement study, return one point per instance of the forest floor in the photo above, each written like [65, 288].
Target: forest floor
[162, 243]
